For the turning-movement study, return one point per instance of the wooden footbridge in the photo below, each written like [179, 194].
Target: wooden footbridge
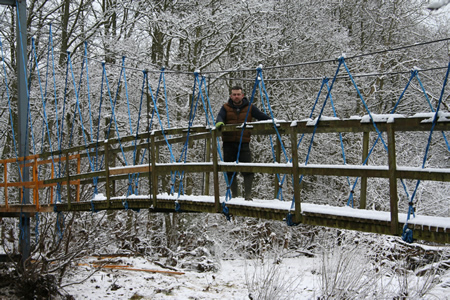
[76, 187]
[96, 176]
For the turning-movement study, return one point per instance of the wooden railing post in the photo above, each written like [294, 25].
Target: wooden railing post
[215, 170]
[107, 181]
[36, 183]
[365, 153]
[78, 181]
[277, 157]
[52, 176]
[207, 159]
[69, 201]
[5, 178]
[392, 179]
[153, 170]
[295, 174]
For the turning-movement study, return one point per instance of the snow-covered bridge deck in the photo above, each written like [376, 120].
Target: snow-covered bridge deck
[429, 228]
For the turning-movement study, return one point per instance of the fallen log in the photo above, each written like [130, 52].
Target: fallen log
[127, 268]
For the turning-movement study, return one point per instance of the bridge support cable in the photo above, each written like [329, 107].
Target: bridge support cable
[379, 134]
[113, 111]
[296, 202]
[45, 120]
[414, 74]
[192, 112]
[201, 88]
[407, 233]
[78, 108]
[391, 156]
[265, 102]
[365, 160]
[298, 143]
[432, 109]
[88, 86]
[133, 178]
[163, 81]
[151, 138]
[60, 134]
[340, 133]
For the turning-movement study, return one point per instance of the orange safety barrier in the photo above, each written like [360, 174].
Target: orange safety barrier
[35, 183]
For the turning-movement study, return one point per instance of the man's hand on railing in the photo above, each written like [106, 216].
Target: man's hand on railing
[219, 125]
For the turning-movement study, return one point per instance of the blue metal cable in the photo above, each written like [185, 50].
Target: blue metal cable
[414, 73]
[88, 93]
[113, 113]
[79, 112]
[97, 165]
[435, 118]
[432, 109]
[75, 111]
[324, 81]
[280, 193]
[36, 228]
[192, 113]
[264, 93]
[155, 110]
[341, 61]
[340, 134]
[137, 132]
[54, 86]
[45, 121]
[364, 102]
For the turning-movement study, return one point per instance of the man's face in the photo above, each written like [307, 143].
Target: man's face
[237, 96]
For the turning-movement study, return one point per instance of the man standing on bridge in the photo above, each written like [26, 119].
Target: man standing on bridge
[234, 111]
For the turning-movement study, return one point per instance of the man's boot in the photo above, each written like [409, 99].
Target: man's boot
[248, 182]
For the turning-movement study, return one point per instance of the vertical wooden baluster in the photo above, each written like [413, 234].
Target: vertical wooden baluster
[36, 183]
[153, 170]
[107, 186]
[52, 187]
[365, 153]
[275, 179]
[215, 134]
[207, 159]
[392, 179]
[69, 200]
[78, 181]
[6, 184]
[295, 174]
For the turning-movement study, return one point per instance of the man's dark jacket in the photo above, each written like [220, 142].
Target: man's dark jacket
[231, 114]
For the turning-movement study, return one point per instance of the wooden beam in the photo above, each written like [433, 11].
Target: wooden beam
[392, 161]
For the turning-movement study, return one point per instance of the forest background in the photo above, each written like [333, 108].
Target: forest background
[226, 41]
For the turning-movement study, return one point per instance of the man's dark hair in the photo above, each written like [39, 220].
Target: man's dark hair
[237, 87]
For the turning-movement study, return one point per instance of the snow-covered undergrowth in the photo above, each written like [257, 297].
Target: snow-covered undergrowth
[130, 255]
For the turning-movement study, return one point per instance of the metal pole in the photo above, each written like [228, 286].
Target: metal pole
[21, 38]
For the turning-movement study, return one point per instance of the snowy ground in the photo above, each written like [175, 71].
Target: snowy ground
[291, 278]
[231, 281]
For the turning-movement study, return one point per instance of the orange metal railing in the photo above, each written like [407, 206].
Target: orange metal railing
[36, 183]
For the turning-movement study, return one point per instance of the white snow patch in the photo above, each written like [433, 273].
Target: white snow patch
[322, 118]
[389, 118]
